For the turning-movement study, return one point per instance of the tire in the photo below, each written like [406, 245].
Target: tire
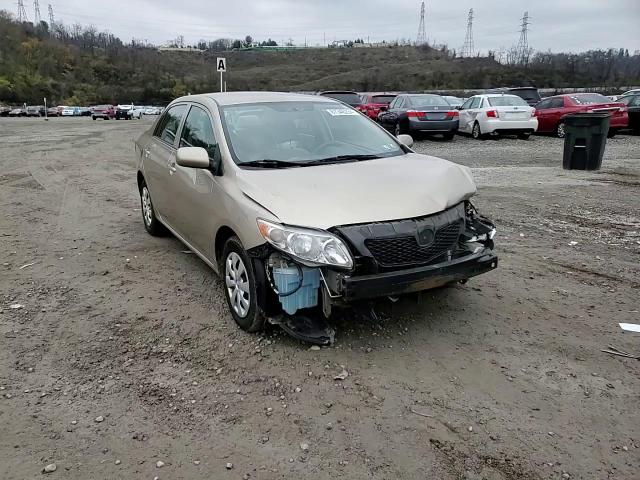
[151, 223]
[524, 136]
[236, 269]
[476, 132]
[448, 136]
[400, 129]
[94, 118]
[612, 133]
[560, 133]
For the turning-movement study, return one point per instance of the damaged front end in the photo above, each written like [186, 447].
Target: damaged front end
[372, 260]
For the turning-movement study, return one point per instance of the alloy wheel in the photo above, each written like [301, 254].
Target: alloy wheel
[147, 209]
[237, 283]
[476, 131]
[561, 132]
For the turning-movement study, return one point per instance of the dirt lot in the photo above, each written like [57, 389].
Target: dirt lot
[123, 354]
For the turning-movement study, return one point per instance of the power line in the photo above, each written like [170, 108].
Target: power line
[37, 18]
[22, 13]
[422, 30]
[522, 50]
[468, 49]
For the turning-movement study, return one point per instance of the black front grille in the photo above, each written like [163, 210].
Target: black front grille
[405, 250]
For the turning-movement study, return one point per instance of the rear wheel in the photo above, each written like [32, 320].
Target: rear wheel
[560, 133]
[448, 136]
[524, 135]
[151, 222]
[476, 132]
[240, 286]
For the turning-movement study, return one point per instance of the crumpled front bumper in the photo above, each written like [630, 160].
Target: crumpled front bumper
[417, 279]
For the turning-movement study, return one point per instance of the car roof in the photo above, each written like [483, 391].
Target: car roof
[236, 98]
[494, 95]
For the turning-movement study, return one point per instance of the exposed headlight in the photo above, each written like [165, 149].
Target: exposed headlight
[312, 247]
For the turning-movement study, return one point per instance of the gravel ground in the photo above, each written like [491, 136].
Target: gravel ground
[122, 362]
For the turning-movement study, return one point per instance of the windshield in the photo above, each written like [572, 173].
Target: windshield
[589, 99]
[302, 132]
[453, 101]
[382, 99]
[428, 101]
[527, 94]
[507, 101]
[346, 97]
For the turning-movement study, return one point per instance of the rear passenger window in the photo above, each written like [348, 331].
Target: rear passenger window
[168, 125]
[466, 104]
[198, 131]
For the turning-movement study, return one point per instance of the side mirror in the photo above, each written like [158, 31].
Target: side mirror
[459, 107]
[406, 140]
[193, 157]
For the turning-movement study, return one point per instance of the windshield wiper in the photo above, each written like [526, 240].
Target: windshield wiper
[269, 163]
[343, 158]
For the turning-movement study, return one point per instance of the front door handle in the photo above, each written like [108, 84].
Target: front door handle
[147, 153]
[172, 165]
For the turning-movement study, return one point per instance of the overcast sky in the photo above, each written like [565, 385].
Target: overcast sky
[559, 25]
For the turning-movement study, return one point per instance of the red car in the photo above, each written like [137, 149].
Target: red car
[551, 111]
[107, 112]
[374, 103]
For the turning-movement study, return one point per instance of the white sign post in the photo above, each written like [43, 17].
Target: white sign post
[221, 66]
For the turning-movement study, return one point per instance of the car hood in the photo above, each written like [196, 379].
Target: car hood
[392, 188]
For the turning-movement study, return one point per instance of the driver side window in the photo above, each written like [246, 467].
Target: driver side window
[198, 131]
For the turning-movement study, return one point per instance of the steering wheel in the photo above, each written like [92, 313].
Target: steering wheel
[325, 145]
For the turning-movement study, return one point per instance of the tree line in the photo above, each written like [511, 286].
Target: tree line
[79, 65]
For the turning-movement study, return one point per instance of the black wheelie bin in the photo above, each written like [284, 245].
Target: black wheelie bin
[584, 141]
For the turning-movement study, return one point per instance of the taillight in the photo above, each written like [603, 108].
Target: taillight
[453, 114]
[492, 114]
[414, 114]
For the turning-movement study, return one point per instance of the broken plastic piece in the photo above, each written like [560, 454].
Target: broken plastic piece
[312, 330]
[630, 327]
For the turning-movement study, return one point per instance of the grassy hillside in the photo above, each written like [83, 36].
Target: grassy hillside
[83, 66]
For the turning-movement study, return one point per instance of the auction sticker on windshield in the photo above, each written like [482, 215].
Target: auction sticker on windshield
[336, 112]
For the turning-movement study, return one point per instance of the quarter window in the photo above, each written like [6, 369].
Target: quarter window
[169, 123]
[198, 131]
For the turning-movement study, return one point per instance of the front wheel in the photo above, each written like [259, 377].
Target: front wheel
[240, 286]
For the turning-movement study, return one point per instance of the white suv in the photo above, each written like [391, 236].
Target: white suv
[493, 114]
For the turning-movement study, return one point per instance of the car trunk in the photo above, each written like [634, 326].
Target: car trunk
[513, 113]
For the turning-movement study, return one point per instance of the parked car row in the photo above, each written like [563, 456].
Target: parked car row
[105, 112]
[518, 111]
